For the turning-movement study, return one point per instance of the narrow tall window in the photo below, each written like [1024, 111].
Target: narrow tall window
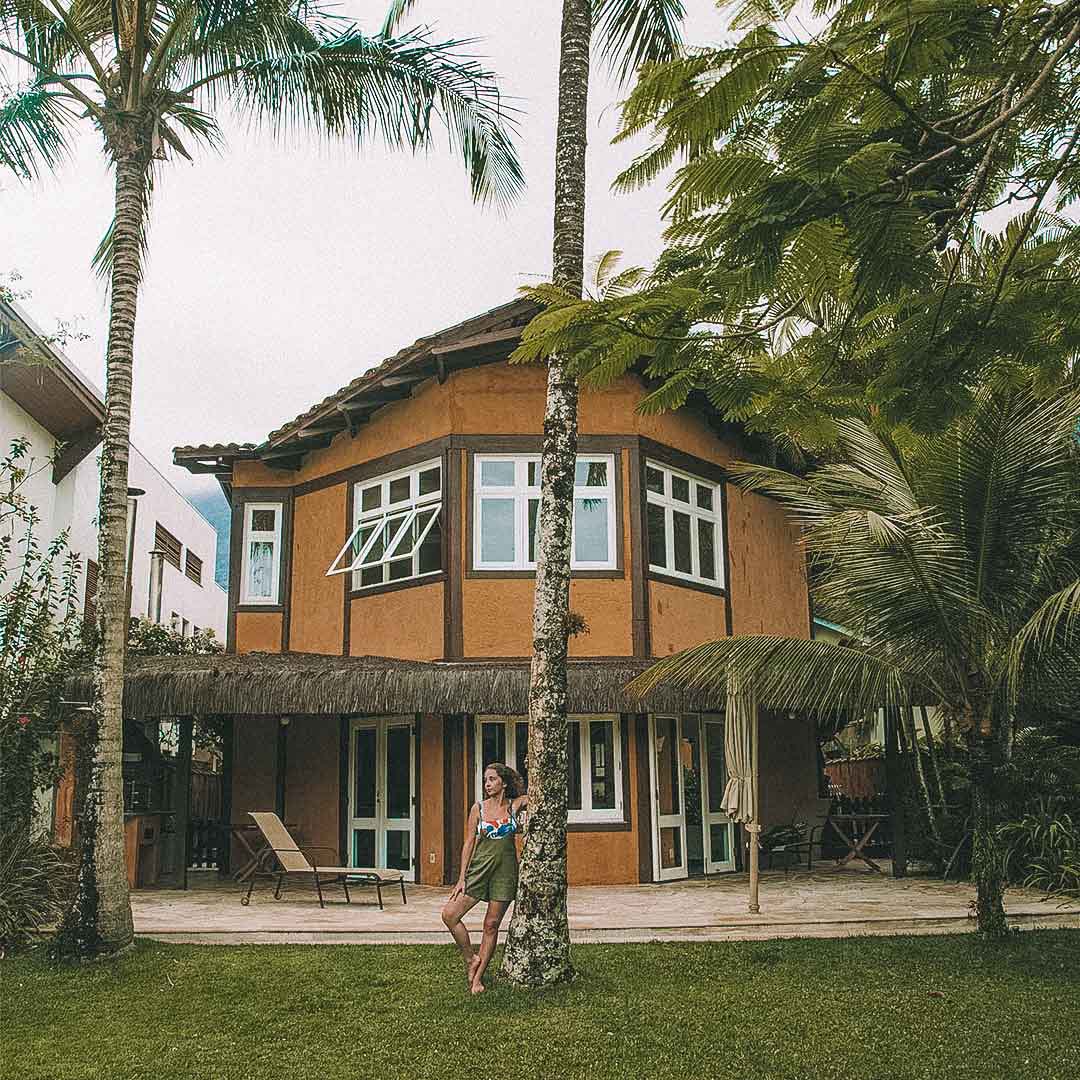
[91, 593]
[397, 534]
[261, 563]
[683, 525]
[506, 512]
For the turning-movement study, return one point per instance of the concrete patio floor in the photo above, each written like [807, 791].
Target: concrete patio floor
[823, 903]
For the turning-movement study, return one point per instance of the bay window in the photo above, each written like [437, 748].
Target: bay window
[260, 569]
[397, 534]
[594, 761]
[684, 525]
[506, 511]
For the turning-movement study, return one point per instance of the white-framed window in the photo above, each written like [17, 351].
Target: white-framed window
[594, 761]
[684, 525]
[261, 565]
[506, 511]
[397, 534]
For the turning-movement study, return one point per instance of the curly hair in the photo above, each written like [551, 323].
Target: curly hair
[511, 779]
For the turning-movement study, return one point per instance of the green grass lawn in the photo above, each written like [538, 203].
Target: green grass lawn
[864, 1008]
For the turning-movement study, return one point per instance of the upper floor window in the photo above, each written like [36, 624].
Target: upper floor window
[261, 569]
[506, 511]
[193, 566]
[397, 534]
[594, 761]
[685, 538]
[166, 543]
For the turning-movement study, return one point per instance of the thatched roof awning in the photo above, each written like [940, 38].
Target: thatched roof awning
[267, 684]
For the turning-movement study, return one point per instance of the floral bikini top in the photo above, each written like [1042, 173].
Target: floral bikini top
[496, 830]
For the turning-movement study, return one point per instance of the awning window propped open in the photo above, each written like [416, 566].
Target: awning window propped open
[387, 537]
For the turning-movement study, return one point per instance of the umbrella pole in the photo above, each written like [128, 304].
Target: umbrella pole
[754, 826]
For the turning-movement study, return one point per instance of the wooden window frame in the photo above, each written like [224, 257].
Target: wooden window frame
[189, 557]
[167, 547]
[264, 536]
[695, 513]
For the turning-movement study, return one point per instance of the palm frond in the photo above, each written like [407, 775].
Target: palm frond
[637, 32]
[103, 256]
[397, 11]
[1055, 624]
[33, 130]
[792, 674]
[355, 85]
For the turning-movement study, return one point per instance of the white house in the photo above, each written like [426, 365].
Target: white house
[46, 399]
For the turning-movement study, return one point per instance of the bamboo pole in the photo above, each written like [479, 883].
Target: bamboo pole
[754, 826]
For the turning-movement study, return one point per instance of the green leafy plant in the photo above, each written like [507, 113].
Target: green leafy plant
[35, 887]
[1042, 849]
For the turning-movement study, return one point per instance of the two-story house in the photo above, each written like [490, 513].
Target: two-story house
[384, 546]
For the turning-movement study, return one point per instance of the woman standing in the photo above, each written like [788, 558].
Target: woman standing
[489, 869]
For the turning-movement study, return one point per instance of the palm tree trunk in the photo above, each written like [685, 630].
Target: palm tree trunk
[931, 753]
[100, 921]
[538, 946]
[920, 775]
[986, 862]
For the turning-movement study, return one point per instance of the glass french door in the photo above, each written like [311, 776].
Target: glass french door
[716, 827]
[382, 793]
[691, 832]
[669, 801]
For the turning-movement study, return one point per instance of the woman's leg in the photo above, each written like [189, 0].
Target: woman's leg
[452, 915]
[492, 921]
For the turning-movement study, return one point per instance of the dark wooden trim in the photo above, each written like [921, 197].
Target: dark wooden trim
[387, 463]
[644, 797]
[395, 586]
[76, 448]
[182, 798]
[453, 795]
[639, 586]
[346, 623]
[574, 574]
[241, 497]
[598, 826]
[453, 629]
[698, 586]
[724, 539]
[344, 749]
[416, 860]
[236, 541]
[285, 582]
[281, 768]
[679, 459]
[469, 720]
[533, 444]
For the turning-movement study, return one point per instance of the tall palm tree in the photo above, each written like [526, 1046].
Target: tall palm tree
[630, 33]
[149, 75]
[956, 559]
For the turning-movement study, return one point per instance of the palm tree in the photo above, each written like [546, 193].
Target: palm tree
[630, 33]
[148, 75]
[955, 558]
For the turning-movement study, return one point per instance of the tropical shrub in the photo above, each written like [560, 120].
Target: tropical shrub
[35, 887]
[1042, 849]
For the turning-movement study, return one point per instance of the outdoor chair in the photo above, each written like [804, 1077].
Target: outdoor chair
[814, 813]
[291, 859]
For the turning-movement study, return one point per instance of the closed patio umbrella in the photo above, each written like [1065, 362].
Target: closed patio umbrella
[740, 753]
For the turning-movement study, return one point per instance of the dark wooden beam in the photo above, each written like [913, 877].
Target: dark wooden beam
[492, 337]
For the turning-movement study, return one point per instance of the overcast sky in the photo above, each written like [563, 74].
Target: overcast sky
[280, 271]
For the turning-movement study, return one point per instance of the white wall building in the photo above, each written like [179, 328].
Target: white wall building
[46, 399]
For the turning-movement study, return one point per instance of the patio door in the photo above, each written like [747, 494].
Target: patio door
[669, 801]
[382, 793]
[717, 829]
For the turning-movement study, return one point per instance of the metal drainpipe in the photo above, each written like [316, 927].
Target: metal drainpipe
[157, 574]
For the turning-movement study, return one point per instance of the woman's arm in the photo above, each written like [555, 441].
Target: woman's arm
[521, 803]
[467, 850]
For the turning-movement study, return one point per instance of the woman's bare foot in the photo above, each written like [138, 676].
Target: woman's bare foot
[470, 969]
[477, 987]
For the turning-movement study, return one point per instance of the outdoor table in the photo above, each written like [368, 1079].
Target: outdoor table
[854, 841]
[245, 833]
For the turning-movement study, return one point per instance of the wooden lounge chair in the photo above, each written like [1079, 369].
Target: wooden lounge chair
[292, 860]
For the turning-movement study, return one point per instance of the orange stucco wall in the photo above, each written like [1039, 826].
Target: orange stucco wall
[768, 571]
[258, 631]
[681, 617]
[497, 616]
[316, 615]
[406, 623]
[430, 803]
[312, 750]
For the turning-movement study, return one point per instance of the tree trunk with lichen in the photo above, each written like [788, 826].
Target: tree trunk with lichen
[538, 947]
[99, 922]
[987, 868]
